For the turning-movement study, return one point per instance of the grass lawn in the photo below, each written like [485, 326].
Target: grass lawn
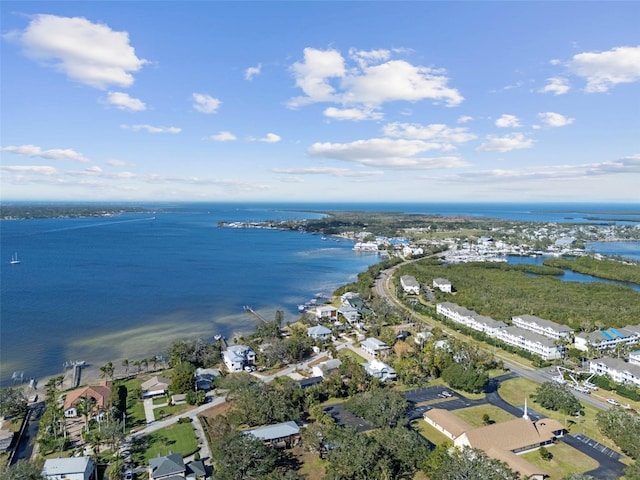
[179, 438]
[515, 390]
[312, 468]
[345, 352]
[430, 433]
[566, 460]
[136, 416]
[170, 410]
[473, 415]
[160, 400]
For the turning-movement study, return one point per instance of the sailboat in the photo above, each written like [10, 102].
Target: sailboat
[14, 259]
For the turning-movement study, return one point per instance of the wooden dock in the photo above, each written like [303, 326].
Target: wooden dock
[247, 308]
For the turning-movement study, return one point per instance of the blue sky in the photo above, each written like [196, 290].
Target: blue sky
[320, 101]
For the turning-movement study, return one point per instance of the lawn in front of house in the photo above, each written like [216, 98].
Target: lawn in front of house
[179, 438]
[345, 352]
[430, 433]
[566, 460]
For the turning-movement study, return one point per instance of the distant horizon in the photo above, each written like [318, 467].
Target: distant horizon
[258, 101]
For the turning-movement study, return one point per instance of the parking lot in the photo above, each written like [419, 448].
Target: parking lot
[598, 446]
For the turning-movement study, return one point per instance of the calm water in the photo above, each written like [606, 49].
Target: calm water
[125, 287]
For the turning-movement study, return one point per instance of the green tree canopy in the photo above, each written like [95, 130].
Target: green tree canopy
[557, 397]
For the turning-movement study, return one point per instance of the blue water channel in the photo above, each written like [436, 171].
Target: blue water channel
[568, 275]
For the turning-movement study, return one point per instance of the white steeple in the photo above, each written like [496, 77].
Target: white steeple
[525, 409]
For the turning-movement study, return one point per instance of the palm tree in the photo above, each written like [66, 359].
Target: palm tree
[85, 406]
[138, 365]
[145, 364]
[125, 364]
[154, 362]
[107, 370]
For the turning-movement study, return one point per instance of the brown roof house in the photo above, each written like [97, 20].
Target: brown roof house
[100, 394]
[155, 386]
[502, 441]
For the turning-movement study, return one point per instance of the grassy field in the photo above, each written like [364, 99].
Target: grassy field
[430, 433]
[566, 460]
[350, 353]
[179, 438]
[473, 415]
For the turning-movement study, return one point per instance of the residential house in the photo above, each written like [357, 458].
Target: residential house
[280, 435]
[443, 285]
[172, 467]
[319, 332]
[375, 347]
[236, 357]
[606, 339]
[325, 312]
[532, 342]
[502, 441]
[357, 303]
[99, 395]
[156, 386]
[72, 468]
[380, 370]
[421, 337]
[616, 368]
[309, 382]
[410, 285]
[349, 313]
[543, 327]
[204, 378]
[326, 368]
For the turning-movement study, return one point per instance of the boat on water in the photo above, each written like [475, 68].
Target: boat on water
[14, 259]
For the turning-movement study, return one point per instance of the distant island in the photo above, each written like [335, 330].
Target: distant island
[36, 211]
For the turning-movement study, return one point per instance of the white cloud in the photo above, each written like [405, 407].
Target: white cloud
[151, 129]
[330, 171]
[116, 163]
[365, 83]
[515, 141]
[385, 152]
[251, 72]
[270, 138]
[435, 131]
[89, 53]
[51, 154]
[123, 101]
[223, 136]
[552, 119]
[604, 70]
[556, 85]
[205, 103]
[508, 121]
[464, 119]
[354, 114]
[34, 169]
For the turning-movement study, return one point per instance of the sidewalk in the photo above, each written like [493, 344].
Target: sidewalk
[148, 410]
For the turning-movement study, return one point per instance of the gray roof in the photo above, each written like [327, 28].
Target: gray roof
[197, 467]
[318, 330]
[489, 322]
[61, 466]
[529, 335]
[441, 281]
[273, 432]
[409, 280]
[543, 323]
[172, 464]
[619, 364]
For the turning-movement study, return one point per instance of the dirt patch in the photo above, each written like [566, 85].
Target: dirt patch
[217, 410]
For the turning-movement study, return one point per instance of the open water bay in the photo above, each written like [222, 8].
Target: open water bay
[101, 289]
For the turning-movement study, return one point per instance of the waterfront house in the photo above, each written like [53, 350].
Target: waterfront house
[375, 347]
[325, 312]
[541, 326]
[410, 285]
[172, 467]
[156, 386]
[319, 332]
[236, 357]
[280, 435]
[204, 378]
[98, 394]
[73, 468]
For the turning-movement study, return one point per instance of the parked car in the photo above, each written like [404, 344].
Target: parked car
[446, 393]
[613, 401]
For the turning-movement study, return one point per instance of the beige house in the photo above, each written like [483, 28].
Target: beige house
[502, 441]
[155, 386]
[99, 394]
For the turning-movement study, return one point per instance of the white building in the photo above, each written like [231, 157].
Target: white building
[605, 339]
[541, 326]
[634, 357]
[374, 347]
[619, 370]
[73, 468]
[531, 342]
[325, 312]
[324, 369]
[443, 285]
[470, 319]
[237, 357]
[410, 284]
[380, 370]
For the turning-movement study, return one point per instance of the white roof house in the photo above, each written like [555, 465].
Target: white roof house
[281, 432]
[380, 370]
[72, 468]
[319, 331]
[443, 285]
[374, 347]
[236, 357]
[324, 312]
[410, 284]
